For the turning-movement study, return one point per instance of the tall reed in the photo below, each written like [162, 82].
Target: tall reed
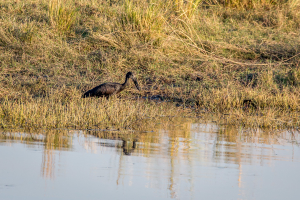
[62, 14]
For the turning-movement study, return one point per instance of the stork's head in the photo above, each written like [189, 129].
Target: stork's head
[131, 75]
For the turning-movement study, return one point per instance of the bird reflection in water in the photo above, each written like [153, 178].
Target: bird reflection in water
[127, 149]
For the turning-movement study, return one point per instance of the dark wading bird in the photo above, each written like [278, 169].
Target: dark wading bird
[109, 89]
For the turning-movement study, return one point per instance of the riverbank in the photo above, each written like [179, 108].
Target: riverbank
[239, 62]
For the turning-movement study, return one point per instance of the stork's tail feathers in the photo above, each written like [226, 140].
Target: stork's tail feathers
[87, 94]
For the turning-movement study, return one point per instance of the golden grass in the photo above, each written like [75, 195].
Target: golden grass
[202, 55]
[112, 114]
[62, 15]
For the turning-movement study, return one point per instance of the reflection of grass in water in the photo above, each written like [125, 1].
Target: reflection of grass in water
[170, 128]
[51, 140]
[232, 134]
[171, 137]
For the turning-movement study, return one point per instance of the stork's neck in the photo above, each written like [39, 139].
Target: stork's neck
[125, 83]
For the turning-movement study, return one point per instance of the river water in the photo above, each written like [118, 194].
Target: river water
[188, 161]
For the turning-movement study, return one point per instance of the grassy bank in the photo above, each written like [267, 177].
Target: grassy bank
[211, 56]
[107, 115]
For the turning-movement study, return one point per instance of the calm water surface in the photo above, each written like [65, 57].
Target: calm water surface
[187, 161]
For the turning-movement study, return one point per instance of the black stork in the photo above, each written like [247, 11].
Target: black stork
[109, 89]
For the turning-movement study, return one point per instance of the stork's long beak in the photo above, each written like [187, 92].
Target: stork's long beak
[136, 84]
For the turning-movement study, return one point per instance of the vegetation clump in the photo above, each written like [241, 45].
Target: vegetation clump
[208, 56]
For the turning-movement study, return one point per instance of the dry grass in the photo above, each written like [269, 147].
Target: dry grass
[112, 114]
[206, 56]
[62, 15]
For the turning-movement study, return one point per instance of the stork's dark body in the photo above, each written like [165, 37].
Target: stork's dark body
[109, 89]
[104, 90]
